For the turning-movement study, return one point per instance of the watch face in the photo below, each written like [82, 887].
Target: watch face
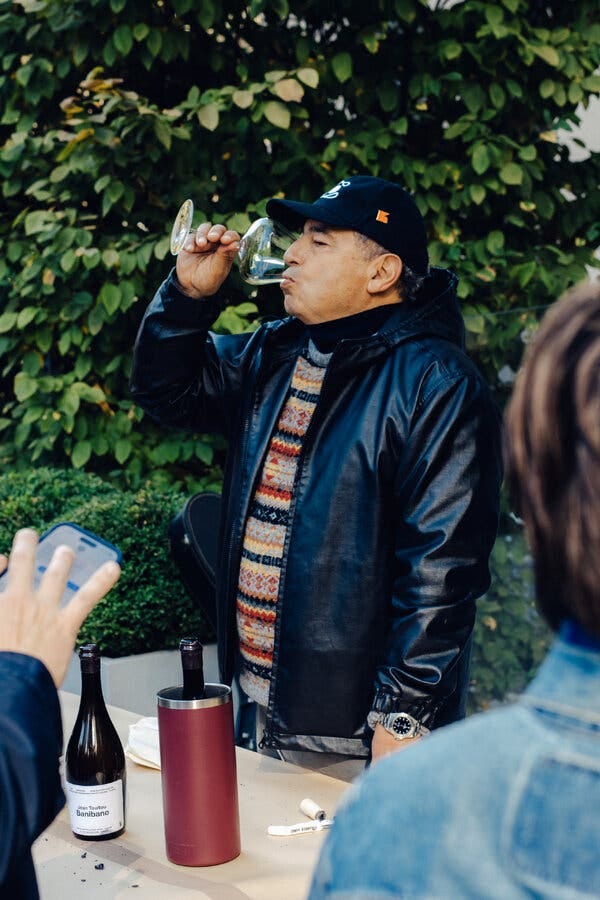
[402, 725]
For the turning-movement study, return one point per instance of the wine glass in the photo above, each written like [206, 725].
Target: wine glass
[260, 255]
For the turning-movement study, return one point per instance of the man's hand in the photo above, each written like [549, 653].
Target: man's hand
[384, 743]
[33, 622]
[206, 259]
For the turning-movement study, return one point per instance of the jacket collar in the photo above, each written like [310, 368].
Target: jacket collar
[436, 313]
[568, 681]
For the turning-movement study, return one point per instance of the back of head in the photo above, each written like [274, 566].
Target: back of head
[553, 457]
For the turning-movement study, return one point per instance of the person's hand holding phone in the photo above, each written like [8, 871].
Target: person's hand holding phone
[32, 621]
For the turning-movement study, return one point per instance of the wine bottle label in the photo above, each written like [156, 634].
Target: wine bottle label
[95, 809]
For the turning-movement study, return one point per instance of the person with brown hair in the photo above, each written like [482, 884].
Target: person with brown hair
[507, 804]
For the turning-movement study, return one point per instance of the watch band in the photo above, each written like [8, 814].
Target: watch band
[400, 725]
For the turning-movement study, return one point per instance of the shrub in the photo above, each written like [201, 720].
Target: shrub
[149, 609]
[510, 637]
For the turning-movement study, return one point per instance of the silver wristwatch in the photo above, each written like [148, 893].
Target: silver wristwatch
[399, 724]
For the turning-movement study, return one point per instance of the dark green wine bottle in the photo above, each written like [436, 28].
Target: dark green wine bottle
[193, 672]
[94, 762]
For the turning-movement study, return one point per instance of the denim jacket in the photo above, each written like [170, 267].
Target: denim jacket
[503, 806]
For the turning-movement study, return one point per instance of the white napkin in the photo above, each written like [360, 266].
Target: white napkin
[142, 747]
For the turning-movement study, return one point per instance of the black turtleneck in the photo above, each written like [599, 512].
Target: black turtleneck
[325, 335]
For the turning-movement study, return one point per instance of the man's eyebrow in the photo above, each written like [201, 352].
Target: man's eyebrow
[317, 228]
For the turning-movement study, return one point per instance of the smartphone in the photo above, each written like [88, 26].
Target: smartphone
[90, 551]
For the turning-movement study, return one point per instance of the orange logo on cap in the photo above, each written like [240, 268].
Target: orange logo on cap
[382, 216]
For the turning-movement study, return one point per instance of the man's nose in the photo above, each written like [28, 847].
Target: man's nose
[292, 254]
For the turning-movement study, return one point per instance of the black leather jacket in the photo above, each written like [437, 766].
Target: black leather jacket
[394, 511]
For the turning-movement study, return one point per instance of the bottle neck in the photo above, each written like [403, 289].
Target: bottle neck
[191, 663]
[91, 689]
[193, 684]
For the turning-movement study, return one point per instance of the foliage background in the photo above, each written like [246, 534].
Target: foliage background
[112, 112]
[510, 637]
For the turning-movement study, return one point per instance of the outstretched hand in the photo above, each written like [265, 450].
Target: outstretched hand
[206, 259]
[33, 622]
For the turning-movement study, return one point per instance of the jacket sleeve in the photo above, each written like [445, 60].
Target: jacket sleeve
[183, 374]
[30, 746]
[447, 490]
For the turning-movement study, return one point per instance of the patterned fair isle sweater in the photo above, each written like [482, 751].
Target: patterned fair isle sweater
[266, 528]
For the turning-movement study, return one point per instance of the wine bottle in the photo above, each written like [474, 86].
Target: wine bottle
[94, 762]
[193, 673]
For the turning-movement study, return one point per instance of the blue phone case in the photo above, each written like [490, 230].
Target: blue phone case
[88, 536]
[90, 552]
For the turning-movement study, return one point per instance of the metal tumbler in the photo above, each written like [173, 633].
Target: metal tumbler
[199, 779]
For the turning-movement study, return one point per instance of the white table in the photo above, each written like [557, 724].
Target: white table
[269, 868]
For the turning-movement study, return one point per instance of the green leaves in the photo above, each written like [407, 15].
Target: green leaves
[8, 320]
[451, 50]
[510, 638]
[208, 116]
[123, 39]
[149, 607]
[478, 193]
[474, 97]
[464, 106]
[481, 159]
[511, 173]
[528, 153]
[163, 132]
[26, 316]
[457, 128]
[88, 393]
[494, 14]
[24, 386]
[342, 66]
[277, 114]
[289, 89]
[524, 272]
[243, 99]
[110, 297]
[547, 53]
[37, 222]
[309, 77]
[495, 242]
[497, 95]
[123, 448]
[81, 453]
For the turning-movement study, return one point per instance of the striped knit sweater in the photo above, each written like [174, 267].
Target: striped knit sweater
[266, 527]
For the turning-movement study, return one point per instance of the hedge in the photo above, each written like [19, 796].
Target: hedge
[149, 608]
[510, 638]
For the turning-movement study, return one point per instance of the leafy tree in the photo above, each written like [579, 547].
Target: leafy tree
[114, 111]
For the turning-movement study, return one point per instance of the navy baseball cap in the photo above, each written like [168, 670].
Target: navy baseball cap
[379, 209]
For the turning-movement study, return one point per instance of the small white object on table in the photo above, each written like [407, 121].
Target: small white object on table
[269, 868]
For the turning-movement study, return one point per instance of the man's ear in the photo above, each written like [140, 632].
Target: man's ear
[385, 272]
